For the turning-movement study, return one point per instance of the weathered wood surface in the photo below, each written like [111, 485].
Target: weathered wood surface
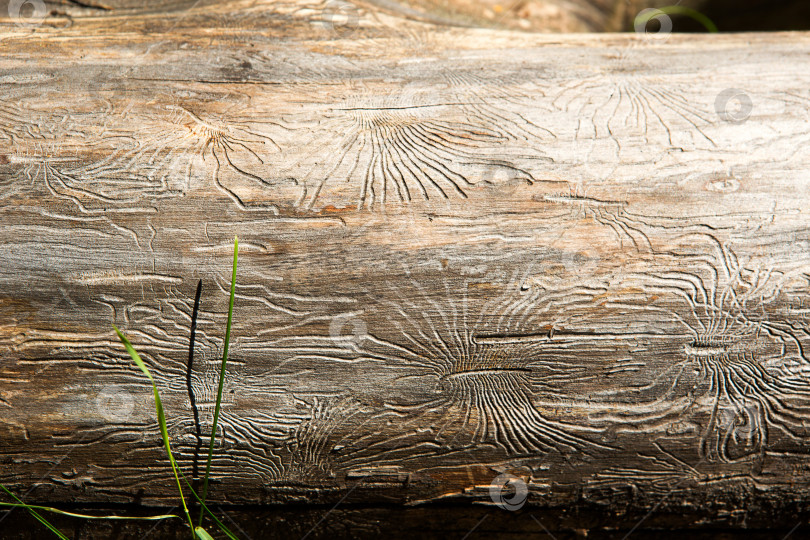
[582, 260]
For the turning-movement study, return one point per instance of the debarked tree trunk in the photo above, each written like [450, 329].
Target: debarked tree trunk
[582, 261]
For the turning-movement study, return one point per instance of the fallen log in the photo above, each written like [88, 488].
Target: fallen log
[580, 261]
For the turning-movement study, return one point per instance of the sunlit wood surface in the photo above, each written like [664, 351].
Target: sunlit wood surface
[582, 260]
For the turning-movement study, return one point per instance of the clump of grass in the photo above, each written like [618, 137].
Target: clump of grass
[198, 531]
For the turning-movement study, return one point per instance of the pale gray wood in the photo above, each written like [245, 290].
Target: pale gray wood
[463, 252]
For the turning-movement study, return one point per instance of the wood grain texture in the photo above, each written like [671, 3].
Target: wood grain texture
[583, 260]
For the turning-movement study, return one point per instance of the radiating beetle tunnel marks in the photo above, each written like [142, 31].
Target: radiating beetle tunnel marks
[491, 98]
[37, 148]
[420, 145]
[319, 446]
[259, 414]
[738, 371]
[460, 392]
[123, 171]
[621, 103]
[170, 147]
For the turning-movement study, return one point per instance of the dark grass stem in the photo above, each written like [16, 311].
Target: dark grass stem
[192, 399]
[36, 515]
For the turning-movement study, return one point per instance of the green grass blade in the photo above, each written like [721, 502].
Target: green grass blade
[161, 417]
[36, 514]
[86, 516]
[221, 375]
[677, 10]
[221, 525]
[202, 535]
[707, 23]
